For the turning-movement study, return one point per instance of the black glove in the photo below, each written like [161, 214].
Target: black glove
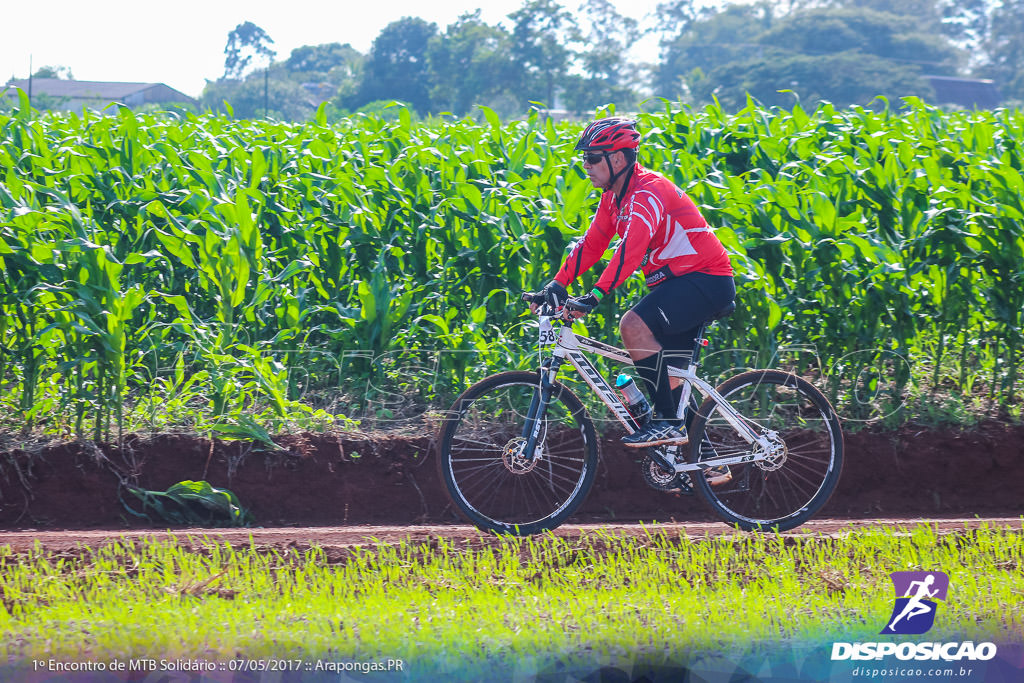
[553, 294]
[582, 304]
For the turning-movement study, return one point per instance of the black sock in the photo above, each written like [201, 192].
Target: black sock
[655, 376]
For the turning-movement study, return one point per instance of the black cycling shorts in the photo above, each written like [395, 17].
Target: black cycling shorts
[675, 309]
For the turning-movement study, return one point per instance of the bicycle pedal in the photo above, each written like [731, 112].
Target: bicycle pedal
[717, 476]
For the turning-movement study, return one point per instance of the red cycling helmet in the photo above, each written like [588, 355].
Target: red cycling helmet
[609, 135]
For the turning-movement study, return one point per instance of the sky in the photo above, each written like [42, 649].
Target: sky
[181, 43]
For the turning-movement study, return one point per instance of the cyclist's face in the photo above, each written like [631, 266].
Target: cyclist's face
[596, 168]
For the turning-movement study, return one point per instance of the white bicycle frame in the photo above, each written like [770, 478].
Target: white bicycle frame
[572, 347]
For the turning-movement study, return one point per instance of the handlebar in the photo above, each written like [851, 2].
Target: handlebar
[543, 309]
[532, 297]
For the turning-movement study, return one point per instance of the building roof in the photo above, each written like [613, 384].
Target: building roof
[965, 92]
[87, 90]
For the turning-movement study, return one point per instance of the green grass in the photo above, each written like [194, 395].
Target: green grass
[437, 605]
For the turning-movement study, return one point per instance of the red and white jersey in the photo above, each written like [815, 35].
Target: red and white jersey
[661, 231]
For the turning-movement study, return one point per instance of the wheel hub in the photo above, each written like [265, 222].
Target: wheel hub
[776, 454]
[514, 459]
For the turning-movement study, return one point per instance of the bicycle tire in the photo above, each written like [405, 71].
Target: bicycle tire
[782, 492]
[485, 480]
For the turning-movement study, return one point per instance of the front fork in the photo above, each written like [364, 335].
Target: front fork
[538, 407]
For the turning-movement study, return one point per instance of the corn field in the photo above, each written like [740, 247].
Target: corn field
[243, 277]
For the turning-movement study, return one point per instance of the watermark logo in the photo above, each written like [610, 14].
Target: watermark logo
[913, 613]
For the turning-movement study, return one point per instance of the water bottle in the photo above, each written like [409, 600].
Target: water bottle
[636, 402]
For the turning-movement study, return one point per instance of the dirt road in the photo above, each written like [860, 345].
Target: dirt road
[348, 536]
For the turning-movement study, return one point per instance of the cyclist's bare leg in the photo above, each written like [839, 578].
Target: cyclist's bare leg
[641, 344]
[639, 340]
[646, 352]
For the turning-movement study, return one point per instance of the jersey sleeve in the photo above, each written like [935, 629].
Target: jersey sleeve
[644, 214]
[587, 251]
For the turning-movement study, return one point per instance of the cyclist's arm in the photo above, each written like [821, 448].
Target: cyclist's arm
[644, 218]
[588, 251]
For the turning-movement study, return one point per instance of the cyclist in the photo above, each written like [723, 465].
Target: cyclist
[663, 233]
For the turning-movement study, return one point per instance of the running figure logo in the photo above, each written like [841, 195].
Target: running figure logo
[914, 610]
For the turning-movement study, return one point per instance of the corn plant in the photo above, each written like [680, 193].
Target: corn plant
[246, 270]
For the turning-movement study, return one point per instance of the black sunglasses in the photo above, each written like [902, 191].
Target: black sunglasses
[593, 157]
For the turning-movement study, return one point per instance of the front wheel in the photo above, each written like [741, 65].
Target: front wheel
[801, 468]
[490, 478]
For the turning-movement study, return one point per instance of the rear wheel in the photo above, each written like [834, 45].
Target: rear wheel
[804, 462]
[489, 478]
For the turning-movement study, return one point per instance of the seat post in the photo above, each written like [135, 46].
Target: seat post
[699, 343]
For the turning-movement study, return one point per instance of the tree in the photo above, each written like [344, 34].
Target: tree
[899, 39]
[1004, 49]
[272, 93]
[844, 55]
[62, 72]
[965, 23]
[843, 78]
[397, 66]
[674, 18]
[961, 22]
[325, 58]
[925, 12]
[245, 42]
[471, 63]
[609, 36]
[608, 75]
[328, 71]
[706, 40]
[541, 30]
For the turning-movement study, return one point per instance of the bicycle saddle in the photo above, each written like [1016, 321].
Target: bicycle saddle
[724, 313]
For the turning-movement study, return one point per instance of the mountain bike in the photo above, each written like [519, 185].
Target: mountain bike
[519, 451]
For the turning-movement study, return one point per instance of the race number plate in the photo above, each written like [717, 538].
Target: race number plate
[547, 332]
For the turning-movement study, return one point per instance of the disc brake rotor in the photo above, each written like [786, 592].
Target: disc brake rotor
[776, 455]
[513, 458]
